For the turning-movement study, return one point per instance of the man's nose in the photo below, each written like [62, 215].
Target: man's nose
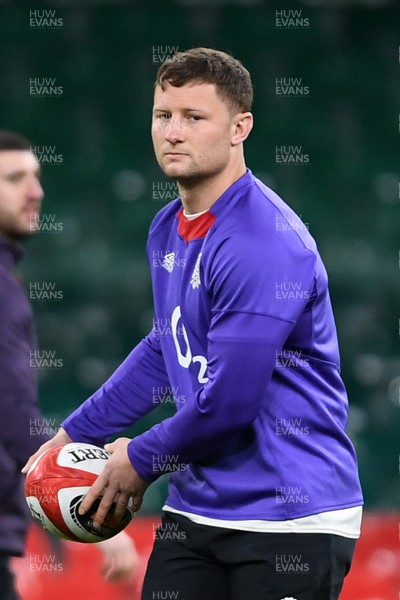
[35, 190]
[174, 130]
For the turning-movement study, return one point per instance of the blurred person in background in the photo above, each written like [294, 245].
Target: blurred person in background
[21, 196]
[264, 499]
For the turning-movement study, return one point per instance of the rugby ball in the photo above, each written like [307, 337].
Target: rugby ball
[55, 486]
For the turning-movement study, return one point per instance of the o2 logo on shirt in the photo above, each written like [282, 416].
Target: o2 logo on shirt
[186, 359]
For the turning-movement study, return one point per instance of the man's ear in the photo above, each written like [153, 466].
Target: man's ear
[242, 125]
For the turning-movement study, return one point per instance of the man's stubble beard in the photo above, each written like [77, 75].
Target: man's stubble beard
[14, 232]
[192, 178]
[17, 235]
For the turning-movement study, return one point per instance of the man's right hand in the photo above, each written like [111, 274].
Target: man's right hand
[60, 439]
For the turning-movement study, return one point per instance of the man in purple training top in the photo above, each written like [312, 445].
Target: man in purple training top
[264, 498]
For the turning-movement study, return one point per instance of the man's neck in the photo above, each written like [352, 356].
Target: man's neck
[10, 250]
[201, 196]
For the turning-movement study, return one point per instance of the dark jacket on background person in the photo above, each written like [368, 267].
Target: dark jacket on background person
[20, 414]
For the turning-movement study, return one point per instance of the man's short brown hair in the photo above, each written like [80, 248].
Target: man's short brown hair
[205, 65]
[10, 140]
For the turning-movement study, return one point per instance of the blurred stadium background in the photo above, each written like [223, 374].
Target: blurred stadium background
[98, 59]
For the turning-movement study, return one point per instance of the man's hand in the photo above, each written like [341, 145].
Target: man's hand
[118, 482]
[60, 439]
[120, 558]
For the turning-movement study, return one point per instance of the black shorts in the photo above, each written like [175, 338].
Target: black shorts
[199, 562]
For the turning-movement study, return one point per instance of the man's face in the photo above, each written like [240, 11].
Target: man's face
[20, 193]
[191, 130]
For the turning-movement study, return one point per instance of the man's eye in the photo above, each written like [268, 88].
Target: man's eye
[15, 178]
[163, 116]
[195, 118]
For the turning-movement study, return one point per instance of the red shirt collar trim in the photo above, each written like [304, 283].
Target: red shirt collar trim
[192, 229]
